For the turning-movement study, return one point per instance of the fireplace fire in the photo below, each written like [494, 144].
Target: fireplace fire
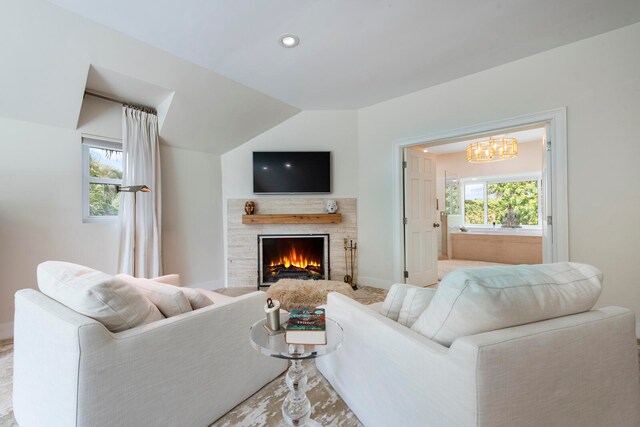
[292, 257]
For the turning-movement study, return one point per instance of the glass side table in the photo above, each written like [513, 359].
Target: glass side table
[296, 408]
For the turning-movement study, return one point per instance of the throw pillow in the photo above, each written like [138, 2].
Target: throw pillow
[393, 302]
[107, 299]
[196, 297]
[474, 300]
[415, 302]
[169, 299]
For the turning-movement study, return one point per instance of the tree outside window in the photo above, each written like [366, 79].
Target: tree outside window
[102, 176]
[487, 202]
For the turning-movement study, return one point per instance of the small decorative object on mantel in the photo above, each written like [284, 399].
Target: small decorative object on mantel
[511, 219]
[272, 310]
[332, 206]
[250, 207]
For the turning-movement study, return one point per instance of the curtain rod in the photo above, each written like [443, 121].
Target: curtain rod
[123, 102]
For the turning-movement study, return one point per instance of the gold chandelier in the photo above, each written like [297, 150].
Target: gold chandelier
[492, 150]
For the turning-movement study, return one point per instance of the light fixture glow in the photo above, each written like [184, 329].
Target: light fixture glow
[425, 151]
[289, 40]
[264, 168]
[492, 150]
[287, 165]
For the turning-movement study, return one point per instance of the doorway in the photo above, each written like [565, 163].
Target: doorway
[544, 215]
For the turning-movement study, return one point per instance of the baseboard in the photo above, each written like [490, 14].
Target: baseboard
[6, 331]
[374, 282]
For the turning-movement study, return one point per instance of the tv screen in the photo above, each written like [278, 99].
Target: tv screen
[291, 172]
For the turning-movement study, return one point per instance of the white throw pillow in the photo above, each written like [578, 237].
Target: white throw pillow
[475, 300]
[110, 301]
[196, 297]
[168, 279]
[393, 302]
[169, 299]
[415, 302]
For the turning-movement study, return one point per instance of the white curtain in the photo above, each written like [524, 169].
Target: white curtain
[140, 166]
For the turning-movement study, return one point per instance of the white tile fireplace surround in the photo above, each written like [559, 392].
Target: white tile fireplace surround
[242, 239]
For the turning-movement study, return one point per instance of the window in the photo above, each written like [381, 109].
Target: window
[451, 199]
[487, 201]
[102, 174]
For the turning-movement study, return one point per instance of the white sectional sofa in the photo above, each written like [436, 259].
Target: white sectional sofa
[575, 370]
[187, 370]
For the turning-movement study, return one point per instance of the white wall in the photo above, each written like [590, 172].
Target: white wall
[598, 80]
[41, 206]
[192, 217]
[335, 131]
[529, 160]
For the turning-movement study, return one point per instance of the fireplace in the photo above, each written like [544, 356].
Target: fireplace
[292, 256]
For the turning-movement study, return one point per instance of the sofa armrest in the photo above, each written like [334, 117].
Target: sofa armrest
[573, 370]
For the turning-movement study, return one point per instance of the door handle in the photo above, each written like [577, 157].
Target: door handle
[436, 225]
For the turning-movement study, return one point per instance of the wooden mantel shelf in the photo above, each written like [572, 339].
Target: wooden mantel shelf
[292, 219]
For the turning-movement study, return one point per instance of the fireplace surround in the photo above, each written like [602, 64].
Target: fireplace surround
[292, 256]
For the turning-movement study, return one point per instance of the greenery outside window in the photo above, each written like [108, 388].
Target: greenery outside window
[487, 201]
[451, 197]
[102, 174]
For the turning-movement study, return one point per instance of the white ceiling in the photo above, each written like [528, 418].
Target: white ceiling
[358, 52]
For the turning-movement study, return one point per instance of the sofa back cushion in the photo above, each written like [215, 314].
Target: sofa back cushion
[393, 302]
[114, 303]
[474, 300]
[414, 304]
[169, 299]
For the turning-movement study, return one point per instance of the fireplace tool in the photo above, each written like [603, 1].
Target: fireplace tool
[348, 278]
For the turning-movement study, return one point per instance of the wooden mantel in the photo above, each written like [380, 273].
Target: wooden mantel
[292, 219]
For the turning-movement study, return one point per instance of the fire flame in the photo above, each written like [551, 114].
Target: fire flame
[295, 259]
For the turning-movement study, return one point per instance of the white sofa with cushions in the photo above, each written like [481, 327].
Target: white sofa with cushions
[497, 346]
[185, 370]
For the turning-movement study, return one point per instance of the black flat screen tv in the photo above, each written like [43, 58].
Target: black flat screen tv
[287, 172]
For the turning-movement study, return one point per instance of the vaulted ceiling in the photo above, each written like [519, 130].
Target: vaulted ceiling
[354, 53]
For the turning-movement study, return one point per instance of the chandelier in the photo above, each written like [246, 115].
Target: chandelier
[492, 150]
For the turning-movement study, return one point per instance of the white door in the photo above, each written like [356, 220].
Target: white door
[545, 198]
[421, 222]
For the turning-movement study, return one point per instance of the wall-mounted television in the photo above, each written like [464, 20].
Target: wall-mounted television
[282, 172]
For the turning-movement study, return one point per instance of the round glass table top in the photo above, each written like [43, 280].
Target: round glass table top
[275, 345]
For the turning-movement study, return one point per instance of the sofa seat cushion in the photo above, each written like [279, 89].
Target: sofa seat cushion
[475, 300]
[107, 299]
[169, 299]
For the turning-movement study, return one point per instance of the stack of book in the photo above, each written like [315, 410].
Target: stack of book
[306, 326]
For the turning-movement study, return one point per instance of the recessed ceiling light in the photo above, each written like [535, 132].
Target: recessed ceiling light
[425, 151]
[287, 165]
[264, 168]
[289, 40]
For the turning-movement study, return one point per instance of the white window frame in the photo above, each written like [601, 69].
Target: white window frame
[89, 142]
[494, 180]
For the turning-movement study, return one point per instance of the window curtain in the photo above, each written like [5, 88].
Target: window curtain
[140, 244]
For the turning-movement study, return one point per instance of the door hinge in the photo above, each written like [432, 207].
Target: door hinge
[404, 165]
[406, 274]
[405, 221]
[549, 220]
[548, 145]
